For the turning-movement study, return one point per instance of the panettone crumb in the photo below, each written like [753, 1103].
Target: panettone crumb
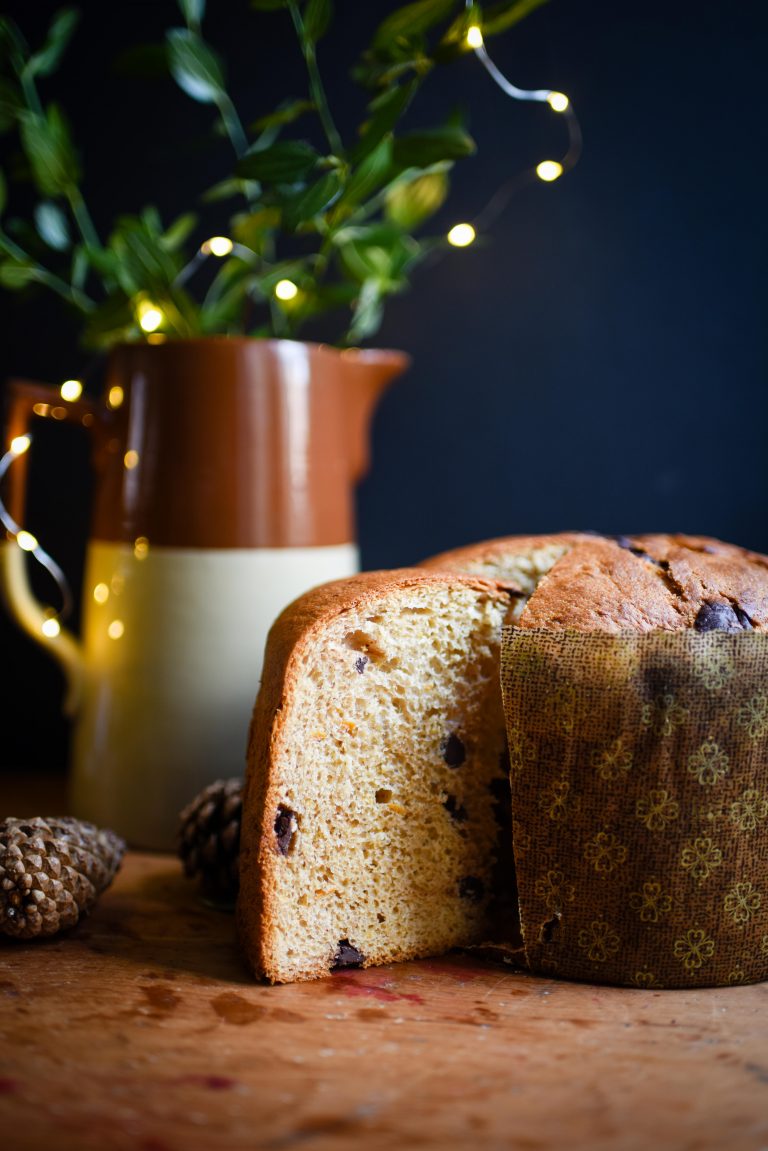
[396, 834]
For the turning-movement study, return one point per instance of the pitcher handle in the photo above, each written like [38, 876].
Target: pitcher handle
[28, 400]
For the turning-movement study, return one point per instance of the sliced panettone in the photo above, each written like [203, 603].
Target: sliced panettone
[370, 827]
[377, 790]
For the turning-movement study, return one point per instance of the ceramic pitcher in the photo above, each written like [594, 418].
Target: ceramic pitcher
[224, 487]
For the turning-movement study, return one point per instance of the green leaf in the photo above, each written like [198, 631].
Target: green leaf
[10, 105]
[194, 66]
[13, 43]
[141, 261]
[380, 250]
[317, 17]
[255, 228]
[60, 32]
[411, 21]
[79, 267]
[312, 201]
[179, 231]
[103, 260]
[228, 189]
[288, 111]
[410, 203]
[15, 275]
[499, 17]
[110, 322]
[286, 270]
[367, 316]
[377, 73]
[369, 175]
[193, 12]
[48, 148]
[456, 33]
[387, 110]
[52, 226]
[422, 149]
[227, 297]
[152, 221]
[282, 163]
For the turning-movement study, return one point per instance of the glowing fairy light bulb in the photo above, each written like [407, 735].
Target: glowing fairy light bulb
[141, 547]
[26, 541]
[150, 316]
[474, 36]
[217, 246]
[50, 628]
[20, 444]
[115, 397]
[286, 290]
[549, 170]
[71, 390]
[131, 459]
[558, 101]
[116, 629]
[461, 235]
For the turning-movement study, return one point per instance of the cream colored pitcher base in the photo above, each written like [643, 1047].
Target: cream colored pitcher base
[173, 643]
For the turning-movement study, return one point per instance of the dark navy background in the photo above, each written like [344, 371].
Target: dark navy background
[597, 361]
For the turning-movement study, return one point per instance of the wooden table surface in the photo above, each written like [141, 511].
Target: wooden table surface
[143, 1031]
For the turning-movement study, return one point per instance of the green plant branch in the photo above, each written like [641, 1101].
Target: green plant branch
[42, 276]
[296, 194]
[232, 124]
[82, 218]
[317, 91]
[29, 89]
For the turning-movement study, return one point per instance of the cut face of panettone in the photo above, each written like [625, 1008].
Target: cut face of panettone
[370, 821]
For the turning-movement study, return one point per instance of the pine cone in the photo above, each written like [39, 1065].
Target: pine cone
[209, 838]
[52, 871]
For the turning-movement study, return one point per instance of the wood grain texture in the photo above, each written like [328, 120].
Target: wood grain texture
[142, 1031]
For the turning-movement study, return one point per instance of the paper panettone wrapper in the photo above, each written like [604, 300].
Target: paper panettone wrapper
[639, 780]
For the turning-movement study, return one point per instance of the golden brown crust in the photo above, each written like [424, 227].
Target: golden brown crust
[599, 586]
[651, 582]
[287, 641]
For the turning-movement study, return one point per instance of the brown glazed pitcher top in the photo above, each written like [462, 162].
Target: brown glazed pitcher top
[234, 443]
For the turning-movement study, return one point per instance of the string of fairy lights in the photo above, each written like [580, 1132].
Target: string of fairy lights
[460, 235]
[150, 316]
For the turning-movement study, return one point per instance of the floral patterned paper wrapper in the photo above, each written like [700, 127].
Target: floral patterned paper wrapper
[639, 778]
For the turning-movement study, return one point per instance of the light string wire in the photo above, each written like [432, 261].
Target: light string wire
[460, 235]
[28, 543]
[559, 103]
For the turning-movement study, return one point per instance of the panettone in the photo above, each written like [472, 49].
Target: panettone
[377, 777]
